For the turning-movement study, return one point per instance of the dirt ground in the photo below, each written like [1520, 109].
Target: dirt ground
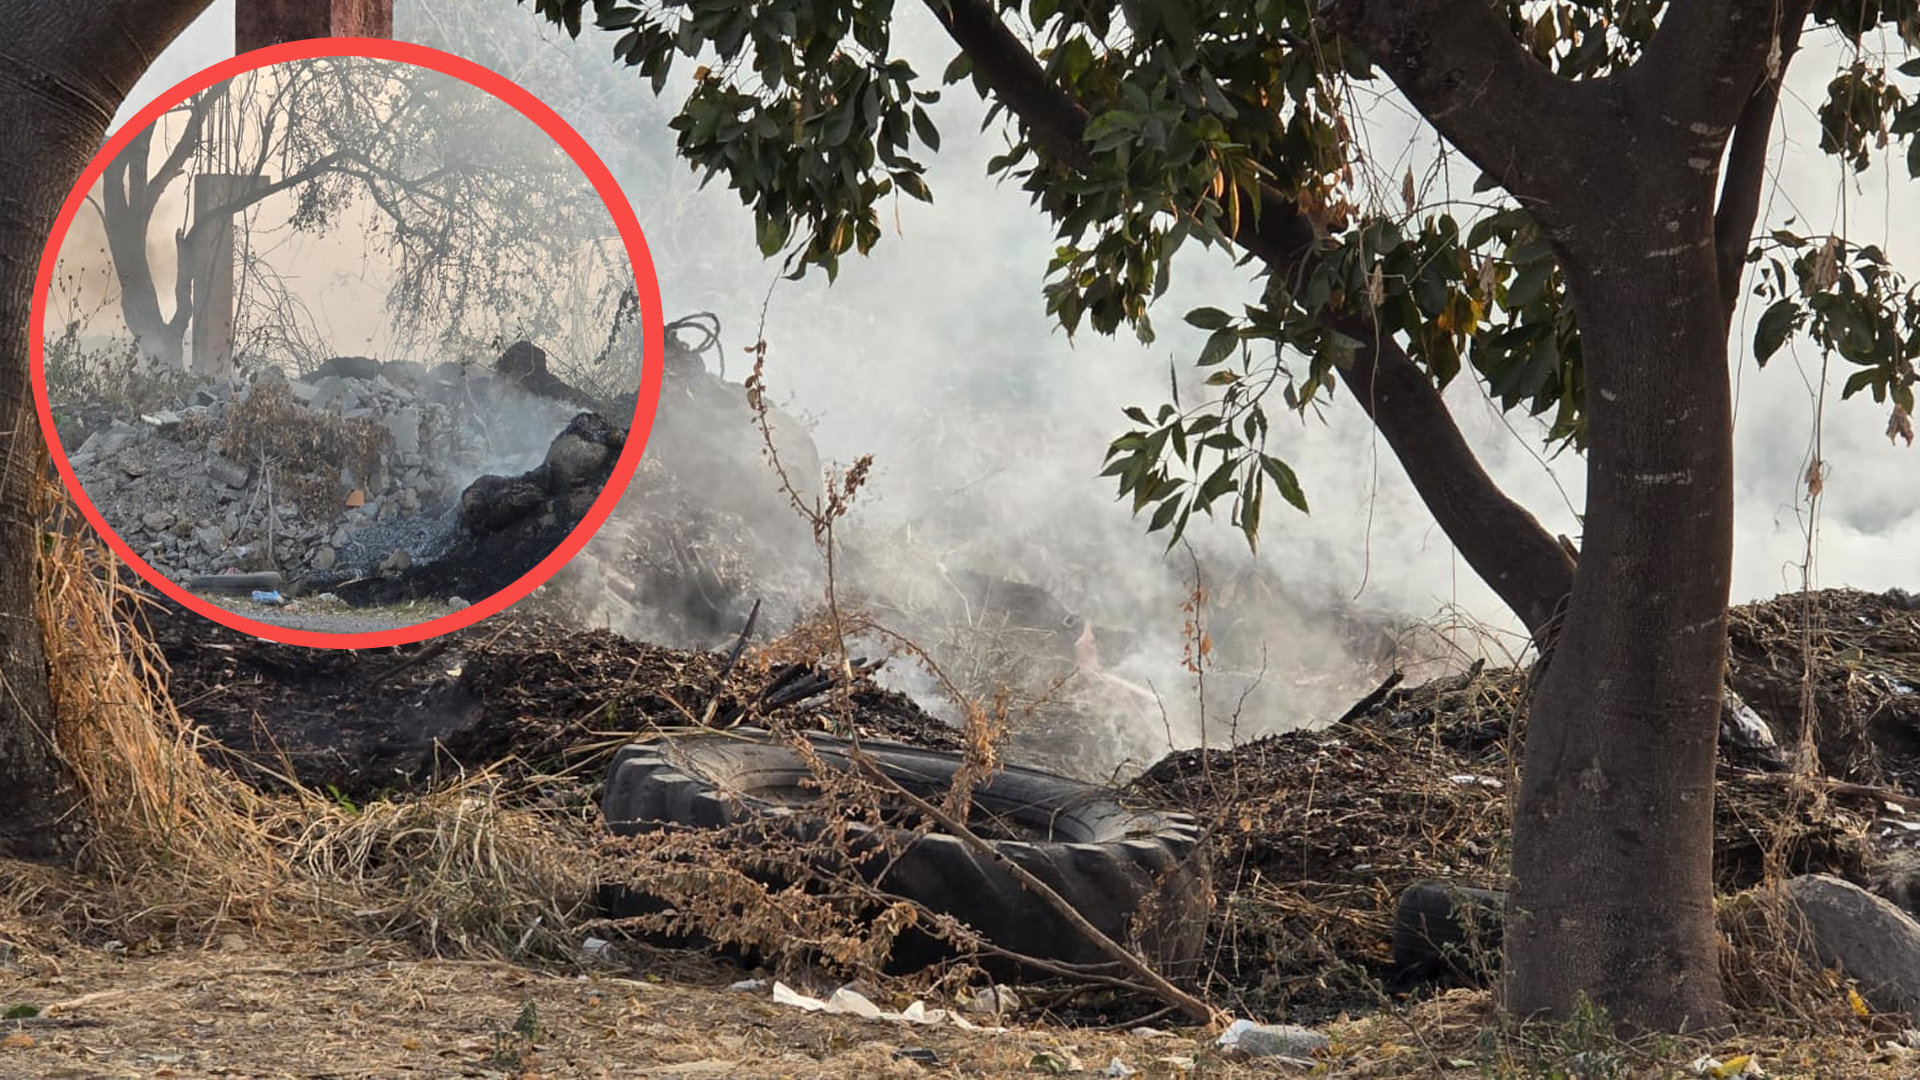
[239, 1010]
[337, 618]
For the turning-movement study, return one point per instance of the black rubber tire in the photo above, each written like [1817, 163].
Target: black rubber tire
[1446, 933]
[1111, 862]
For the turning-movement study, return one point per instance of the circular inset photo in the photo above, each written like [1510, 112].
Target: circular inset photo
[347, 343]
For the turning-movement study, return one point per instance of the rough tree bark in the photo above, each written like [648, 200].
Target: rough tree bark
[64, 69]
[1503, 542]
[130, 193]
[1613, 891]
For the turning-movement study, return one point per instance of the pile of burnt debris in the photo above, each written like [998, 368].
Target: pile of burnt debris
[375, 480]
[1312, 834]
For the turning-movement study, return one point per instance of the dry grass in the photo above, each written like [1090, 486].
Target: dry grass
[182, 849]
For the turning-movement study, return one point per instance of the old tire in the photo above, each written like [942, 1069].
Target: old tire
[1138, 876]
[1446, 933]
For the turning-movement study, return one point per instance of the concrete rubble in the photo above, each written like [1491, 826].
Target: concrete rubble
[358, 466]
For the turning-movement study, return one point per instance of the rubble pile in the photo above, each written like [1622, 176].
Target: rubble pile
[352, 469]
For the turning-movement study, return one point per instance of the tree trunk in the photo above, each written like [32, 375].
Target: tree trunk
[161, 341]
[1613, 831]
[73, 65]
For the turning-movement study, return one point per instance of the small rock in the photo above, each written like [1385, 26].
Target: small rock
[136, 468]
[1870, 940]
[396, 562]
[210, 539]
[455, 603]
[230, 473]
[157, 521]
[405, 427]
[323, 558]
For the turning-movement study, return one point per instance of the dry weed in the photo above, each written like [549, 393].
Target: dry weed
[179, 847]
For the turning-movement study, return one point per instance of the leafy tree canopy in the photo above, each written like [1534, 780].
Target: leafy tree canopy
[1207, 124]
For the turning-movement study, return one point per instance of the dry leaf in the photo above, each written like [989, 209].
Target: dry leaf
[1826, 265]
[1408, 193]
[18, 1040]
[1858, 1003]
[1376, 287]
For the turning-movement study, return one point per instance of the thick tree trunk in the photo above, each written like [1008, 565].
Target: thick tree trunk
[1613, 886]
[64, 69]
[126, 213]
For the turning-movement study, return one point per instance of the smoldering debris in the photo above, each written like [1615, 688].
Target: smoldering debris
[357, 469]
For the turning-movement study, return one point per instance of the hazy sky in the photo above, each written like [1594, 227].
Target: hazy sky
[950, 307]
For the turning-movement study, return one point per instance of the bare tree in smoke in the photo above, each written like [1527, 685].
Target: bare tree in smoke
[477, 210]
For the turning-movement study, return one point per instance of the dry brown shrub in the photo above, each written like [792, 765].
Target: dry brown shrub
[178, 846]
[269, 425]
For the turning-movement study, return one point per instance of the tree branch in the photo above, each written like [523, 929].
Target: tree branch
[1746, 165]
[1503, 543]
[1683, 74]
[1459, 64]
[189, 140]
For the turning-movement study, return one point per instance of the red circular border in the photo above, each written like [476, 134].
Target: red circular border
[646, 282]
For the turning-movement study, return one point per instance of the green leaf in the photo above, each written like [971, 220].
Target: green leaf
[1208, 318]
[1529, 285]
[1163, 516]
[1219, 482]
[1862, 379]
[1220, 345]
[1283, 478]
[1776, 323]
[923, 127]
[913, 185]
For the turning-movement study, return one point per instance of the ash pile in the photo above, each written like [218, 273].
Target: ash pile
[358, 475]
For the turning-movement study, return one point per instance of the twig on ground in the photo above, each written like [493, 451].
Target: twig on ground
[1365, 705]
[720, 679]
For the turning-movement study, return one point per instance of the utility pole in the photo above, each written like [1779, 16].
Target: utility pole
[256, 25]
[260, 23]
